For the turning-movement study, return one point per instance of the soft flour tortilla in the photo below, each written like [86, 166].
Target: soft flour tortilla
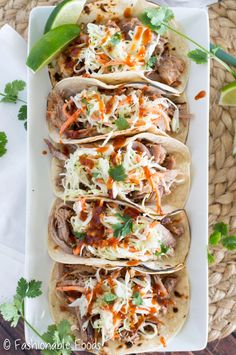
[172, 321]
[179, 192]
[105, 10]
[166, 264]
[71, 86]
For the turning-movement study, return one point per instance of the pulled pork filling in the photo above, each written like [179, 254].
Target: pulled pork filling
[124, 45]
[111, 231]
[140, 171]
[123, 305]
[95, 111]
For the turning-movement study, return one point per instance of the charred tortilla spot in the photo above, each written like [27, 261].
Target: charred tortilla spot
[87, 9]
[177, 294]
[175, 310]
[129, 344]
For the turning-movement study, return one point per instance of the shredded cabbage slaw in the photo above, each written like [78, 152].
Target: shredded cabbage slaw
[145, 241]
[110, 113]
[109, 52]
[86, 172]
[115, 304]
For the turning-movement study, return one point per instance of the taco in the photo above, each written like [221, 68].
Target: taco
[115, 46]
[119, 311]
[81, 110]
[147, 170]
[100, 232]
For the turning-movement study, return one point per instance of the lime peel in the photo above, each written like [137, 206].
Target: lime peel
[48, 46]
[67, 12]
[228, 95]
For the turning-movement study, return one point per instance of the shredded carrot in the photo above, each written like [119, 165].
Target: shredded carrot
[149, 177]
[109, 183]
[70, 118]
[76, 250]
[153, 224]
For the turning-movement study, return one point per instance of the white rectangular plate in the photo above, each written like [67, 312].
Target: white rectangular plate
[39, 190]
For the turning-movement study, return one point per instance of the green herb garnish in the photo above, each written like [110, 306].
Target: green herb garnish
[164, 249]
[124, 228]
[109, 297]
[210, 257]
[157, 19]
[229, 242]
[116, 38]
[118, 173]
[58, 336]
[151, 62]
[137, 299]
[122, 123]
[221, 235]
[3, 143]
[11, 95]
[79, 235]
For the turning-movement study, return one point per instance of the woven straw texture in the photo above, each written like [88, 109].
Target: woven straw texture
[222, 174]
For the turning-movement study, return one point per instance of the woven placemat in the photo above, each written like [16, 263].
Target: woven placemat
[222, 176]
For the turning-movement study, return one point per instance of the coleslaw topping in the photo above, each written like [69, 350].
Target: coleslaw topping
[124, 109]
[110, 231]
[108, 50]
[135, 171]
[120, 305]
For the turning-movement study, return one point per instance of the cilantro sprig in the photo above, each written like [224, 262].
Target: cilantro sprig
[163, 250]
[59, 336]
[137, 299]
[3, 143]
[220, 235]
[124, 228]
[116, 38]
[122, 123]
[157, 19]
[11, 95]
[118, 173]
[109, 297]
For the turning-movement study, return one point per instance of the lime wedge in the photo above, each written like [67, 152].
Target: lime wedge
[67, 12]
[50, 45]
[228, 95]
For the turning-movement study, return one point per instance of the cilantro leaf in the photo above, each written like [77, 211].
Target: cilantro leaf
[3, 143]
[118, 173]
[222, 228]
[122, 123]
[229, 242]
[116, 38]
[34, 289]
[151, 62]
[22, 114]
[109, 297]
[210, 258]
[215, 237]
[10, 313]
[164, 250]
[79, 235]
[137, 299]
[198, 56]
[60, 337]
[22, 288]
[12, 90]
[157, 18]
[123, 229]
